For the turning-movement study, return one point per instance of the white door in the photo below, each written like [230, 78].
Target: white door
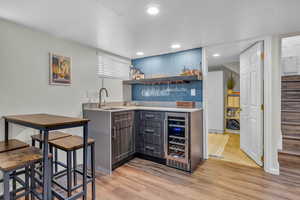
[215, 101]
[251, 88]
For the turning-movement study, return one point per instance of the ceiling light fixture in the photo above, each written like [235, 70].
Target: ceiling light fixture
[153, 10]
[139, 53]
[175, 46]
[216, 55]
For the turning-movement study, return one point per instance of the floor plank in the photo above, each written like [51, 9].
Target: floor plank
[214, 179]
[232, 151]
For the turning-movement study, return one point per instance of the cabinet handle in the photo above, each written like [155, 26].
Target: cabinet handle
[150, 148]
[149, 116]
[114, 133]
[149, 131]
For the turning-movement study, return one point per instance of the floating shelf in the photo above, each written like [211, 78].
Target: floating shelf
[164, 80]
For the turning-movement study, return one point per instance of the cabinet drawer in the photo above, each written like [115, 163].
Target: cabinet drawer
[151, 130]
[152, 150]
[151, 138]
[150, 115]
[151, 124]
[121, 116]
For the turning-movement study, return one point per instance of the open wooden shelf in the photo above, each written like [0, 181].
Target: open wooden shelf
[164, 80]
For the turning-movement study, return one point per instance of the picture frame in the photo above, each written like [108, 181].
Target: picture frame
[60, 72]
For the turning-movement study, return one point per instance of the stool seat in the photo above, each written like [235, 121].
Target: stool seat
[12, 160]
[70, 143]
[54, 135]
[11, 145]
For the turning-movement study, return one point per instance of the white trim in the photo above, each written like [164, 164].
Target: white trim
[274, 171]
[215, 131]
[272, 127]
[204, 103]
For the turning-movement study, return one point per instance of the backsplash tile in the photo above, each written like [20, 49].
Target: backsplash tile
[168, 92]
[170, 64]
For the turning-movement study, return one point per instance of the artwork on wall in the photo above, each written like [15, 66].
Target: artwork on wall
[60, 70]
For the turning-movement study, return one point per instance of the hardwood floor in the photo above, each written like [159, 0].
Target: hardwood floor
[214, 179]
[232, 151]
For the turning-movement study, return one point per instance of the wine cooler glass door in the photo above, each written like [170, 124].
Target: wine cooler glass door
[176, 146]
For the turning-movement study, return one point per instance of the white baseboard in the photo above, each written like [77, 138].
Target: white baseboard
[215, 131]
[273, 171]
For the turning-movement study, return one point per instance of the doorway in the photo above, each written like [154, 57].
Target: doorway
[234, 89]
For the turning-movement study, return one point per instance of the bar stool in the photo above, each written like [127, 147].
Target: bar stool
[54, 135]
[70, 145]
[11, 145]
[10, 162]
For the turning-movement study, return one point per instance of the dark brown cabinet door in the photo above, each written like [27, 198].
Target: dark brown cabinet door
[123, 140]
[150, 134]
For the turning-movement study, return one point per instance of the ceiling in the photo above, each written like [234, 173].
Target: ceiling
[290, 42]
[123, 27]
[229, 53]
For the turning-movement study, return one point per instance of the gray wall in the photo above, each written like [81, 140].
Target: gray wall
[227, 74]
[24, 76]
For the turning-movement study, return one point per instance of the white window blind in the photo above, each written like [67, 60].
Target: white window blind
[113, 67]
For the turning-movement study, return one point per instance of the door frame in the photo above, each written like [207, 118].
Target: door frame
[282, 36]
[271, 95]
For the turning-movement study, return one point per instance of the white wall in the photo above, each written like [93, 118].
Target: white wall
[291, 55]
[227, 75]
[215, 101]
[24, 76]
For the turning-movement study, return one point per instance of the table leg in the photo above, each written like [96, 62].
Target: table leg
[40, 143]
[85, 152]
[93, 172]
[6, 131]
[46, 168]
[14, 185]
[6, 193]
[32, 181]
[27, 188]
[69, 173]
[75, 167]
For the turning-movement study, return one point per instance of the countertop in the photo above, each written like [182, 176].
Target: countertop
[128, 108]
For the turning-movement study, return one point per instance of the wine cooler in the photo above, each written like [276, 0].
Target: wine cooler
[177, 140]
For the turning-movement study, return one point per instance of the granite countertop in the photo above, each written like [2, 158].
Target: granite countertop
[151, 108]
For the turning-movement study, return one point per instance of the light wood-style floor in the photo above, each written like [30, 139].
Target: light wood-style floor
[213, 180]
[232, 151]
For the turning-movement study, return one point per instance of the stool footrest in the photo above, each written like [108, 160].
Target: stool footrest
[75, 196]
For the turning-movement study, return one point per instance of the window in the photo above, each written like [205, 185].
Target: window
[113, 67]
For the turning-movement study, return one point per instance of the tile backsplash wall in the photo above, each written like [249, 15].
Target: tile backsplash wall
[168, 92]
[170, 64]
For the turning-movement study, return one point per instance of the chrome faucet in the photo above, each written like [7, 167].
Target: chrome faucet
[100, 96]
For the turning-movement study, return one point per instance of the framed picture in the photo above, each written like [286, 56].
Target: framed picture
[60, 69]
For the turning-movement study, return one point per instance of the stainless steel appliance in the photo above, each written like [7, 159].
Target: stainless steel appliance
[177, 139]
[184, 140]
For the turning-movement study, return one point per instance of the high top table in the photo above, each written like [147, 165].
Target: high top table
[45, 123]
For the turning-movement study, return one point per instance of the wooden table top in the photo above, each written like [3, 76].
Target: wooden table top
[44, 120]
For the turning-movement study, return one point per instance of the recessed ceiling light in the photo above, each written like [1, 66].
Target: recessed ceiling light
[216, 55]
[153, 10]
[175, 46]
[139, 53]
